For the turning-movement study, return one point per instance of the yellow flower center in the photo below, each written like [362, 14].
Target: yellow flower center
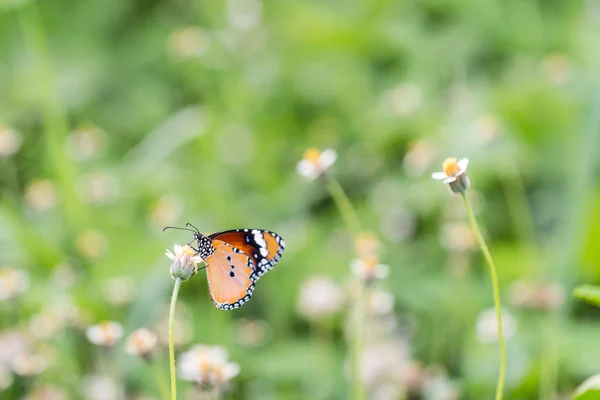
[188, 251]
[450, 167]
[312, 155]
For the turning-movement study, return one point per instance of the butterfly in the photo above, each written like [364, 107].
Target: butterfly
[235, 260]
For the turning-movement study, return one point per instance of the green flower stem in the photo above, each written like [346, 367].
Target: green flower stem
[493, 273]
[343, 204]
[171, 342]
[163, 388]
[358, 391]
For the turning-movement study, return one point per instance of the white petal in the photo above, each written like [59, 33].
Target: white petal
[219, 355]
[438, 176]
[230, 370]
[450, 179]
[463, 163]
[307, 169]
[327, 159]
[170, 255]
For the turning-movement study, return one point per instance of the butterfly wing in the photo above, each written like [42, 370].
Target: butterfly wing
[231, 276]
[263, 247]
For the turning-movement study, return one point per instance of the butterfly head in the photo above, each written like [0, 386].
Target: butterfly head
[204, 244]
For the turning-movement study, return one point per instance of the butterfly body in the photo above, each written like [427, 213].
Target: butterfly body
[235, 260]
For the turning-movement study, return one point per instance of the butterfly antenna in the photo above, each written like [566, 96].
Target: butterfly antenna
[188, 224]
[178, 227]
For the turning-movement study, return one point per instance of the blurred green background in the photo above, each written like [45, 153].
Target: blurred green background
[121, 117]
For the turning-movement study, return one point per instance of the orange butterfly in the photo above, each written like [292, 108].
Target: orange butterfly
[235, 260]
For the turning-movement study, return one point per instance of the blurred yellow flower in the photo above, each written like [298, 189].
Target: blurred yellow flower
[46, 392]
[315, 163]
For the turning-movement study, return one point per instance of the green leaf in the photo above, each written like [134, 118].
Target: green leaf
[588, 293]
[589, 389]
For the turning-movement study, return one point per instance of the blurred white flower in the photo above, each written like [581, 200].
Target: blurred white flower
[404, 99]
[29, 364]
[369, 269]
[12, 344]
[189, 42]
[46, 323]
[40, 195]
[251, 332]
[319, 297]
[383, 363]
[537, 296]
[452, 169]
[13, 282]
[437, 386]
[105, 334]
[63, 275]
[85, 143]
[420, 156]
[10, 141]
[6, 378]
[244, 14]
[557, 68]
[166, 210]
[119, 291]
[141, 343]
[91, 244]
[208, 367]
[380, 302]
[46, 392]
[458, 236]
[99, 387]
[99, 187]
[185, 262]
[315, 163]
[487, 128]
[486, 326]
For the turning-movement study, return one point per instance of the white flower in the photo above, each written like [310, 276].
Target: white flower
[208, 367]
[141, 343]
[46, 392]
[452, 169]
[99, 387]
[315, 163]
[487, 326]
[10, 141]
[119, 291]
[369, 269]
[13, 282]
[6, 378]
[106, 333]
[40, 195]
[319, 296]
[29, 364]
[185, 262]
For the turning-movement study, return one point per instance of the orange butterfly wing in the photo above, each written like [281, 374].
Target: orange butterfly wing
[263, 247]
[230, 274]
